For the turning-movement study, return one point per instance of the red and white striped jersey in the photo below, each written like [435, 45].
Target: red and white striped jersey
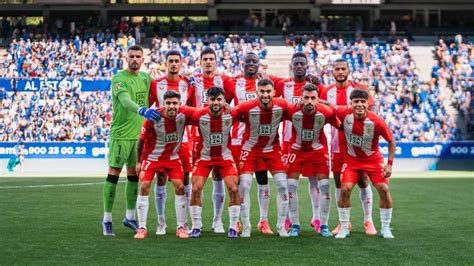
[363, 135]
[162, 140]
[291, 91]
[339, 96]
[201, 84]
[243, 90]
[214, 143]
[158, 88]
[261, 125]
[307, 130]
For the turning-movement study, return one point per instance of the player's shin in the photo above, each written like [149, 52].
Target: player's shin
[218, 199]
[180, 206]
[244, 191]
[293, 200]
[263, 201]
[385, 218]
[323, 185]
[314, 194]
[131, 189]
[142, 210]
[160, 202]
[282, 199]
[110, 186]
[366, 196]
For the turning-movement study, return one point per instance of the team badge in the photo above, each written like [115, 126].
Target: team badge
[117, 85]
[227, 122]
[204, 123]
[161, 87]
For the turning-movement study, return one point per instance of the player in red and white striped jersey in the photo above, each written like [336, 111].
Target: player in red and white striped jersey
[262, 118]
[157, 150]
[308, 146]
[172, 81]
[338, 94]
[245, 89]
[213, 153]
[362, 130]
[291, 90]
[201, 83]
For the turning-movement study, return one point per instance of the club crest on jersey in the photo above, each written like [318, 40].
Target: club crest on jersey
[240, 83]
[319, 120]
[218, 81]
[370, 128]
[183, 88]
[117, 85]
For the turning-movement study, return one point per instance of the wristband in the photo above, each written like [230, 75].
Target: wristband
[390, 162]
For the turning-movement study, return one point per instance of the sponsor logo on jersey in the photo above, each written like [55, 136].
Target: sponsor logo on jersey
[216, 139]
[356, 140]
[250, 96]
[171, 137]
[307, 134]
[264, 130]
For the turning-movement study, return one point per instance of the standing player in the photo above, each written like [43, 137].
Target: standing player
[262, 118]
[338, 94]
[213, 152]
[201, 83]
[308, 146]
[157, 150]
[172, 81]
[362, 130]
[244, 89]
[129, 100]
[291, 90]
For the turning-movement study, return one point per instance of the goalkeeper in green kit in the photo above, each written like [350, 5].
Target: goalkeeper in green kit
[129, 90]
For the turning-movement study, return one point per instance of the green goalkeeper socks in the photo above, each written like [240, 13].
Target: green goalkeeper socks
[110, 185]
[131, 190]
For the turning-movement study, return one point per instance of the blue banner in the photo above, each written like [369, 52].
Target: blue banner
[35, 84]
[55, 150]
[452, 150]
[91, 150]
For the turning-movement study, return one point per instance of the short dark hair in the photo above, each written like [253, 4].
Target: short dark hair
[208, 51]
[172, 52]
[357, 93]
[250, 53]
[310, 87]
[299, 54]
[135, 48]
[215, 91]
[171, 94]
[265, 82]
[340, 60]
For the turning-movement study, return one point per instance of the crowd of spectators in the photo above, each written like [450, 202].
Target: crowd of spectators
[414, 110]
[454, 72]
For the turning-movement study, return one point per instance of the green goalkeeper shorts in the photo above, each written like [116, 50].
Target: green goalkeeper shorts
[122, 152]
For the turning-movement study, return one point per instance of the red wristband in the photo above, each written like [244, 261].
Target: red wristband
[390, 162]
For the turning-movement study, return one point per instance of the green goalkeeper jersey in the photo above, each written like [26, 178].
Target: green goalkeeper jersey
[126, 122]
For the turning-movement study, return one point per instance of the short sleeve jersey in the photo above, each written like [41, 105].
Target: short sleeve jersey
[162, 140]
[261, 125]
[339, 96]
[363, 135]
[125, 124]
[201, 84]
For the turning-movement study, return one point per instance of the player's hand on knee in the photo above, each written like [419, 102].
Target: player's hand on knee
[387, 171]
[150, 114]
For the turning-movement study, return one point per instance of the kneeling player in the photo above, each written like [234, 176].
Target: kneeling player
[308, 145]
[362, 130]
[213, 153]
[157, 151]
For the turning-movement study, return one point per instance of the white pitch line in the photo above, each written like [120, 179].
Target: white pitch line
[55, 185]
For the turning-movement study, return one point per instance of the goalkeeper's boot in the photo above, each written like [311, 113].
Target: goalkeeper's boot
[141, 234]
[387, 233]
[195, 233]
[324, 231]
[370, 228]
[107, 229]
[294, 230]
[343, 232]
[218, 227]
[281, 231]
[132, 224]
[161, 229]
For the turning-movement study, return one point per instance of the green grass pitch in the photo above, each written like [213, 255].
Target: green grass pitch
[433, 223]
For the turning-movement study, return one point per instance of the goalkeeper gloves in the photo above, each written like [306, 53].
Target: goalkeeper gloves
[150, 114]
